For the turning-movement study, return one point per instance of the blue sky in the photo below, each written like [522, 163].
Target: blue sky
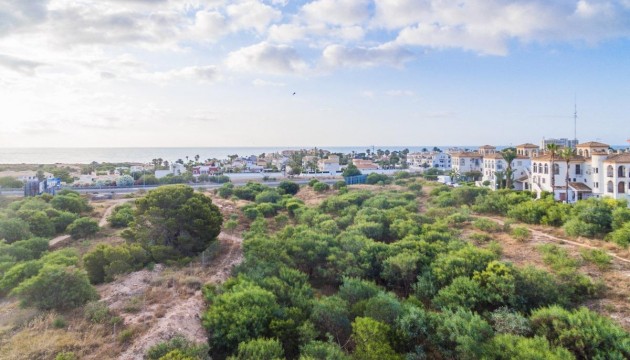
[383, 72]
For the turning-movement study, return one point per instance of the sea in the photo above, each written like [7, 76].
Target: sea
[146, 154]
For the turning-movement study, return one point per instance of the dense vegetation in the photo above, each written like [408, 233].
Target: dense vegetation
[594, 218]
[365, 275]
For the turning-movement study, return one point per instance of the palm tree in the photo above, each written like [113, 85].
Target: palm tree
[509, 155]
[567, 154]
[553, 150]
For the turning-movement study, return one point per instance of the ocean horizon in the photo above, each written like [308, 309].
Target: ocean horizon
[66, 155]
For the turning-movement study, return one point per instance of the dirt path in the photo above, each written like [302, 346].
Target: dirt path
[61, 239]
[539, 235]
[181, 311]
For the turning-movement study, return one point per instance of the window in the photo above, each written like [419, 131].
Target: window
[578, 169]
[610, 187]
[596, 185]
[596, 170]
[543, 179]
[556, 169]
[519, 163]
[609, 171]
[535, 168]
[621, 171]
[546, 169]
[621, 187]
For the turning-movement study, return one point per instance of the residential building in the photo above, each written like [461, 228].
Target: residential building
[429, 159]
[466, 162]
[329, 165]
[495, 167]
[362, 164]
[205, 170]
[595, 171]
[562, 142]
[529, 150]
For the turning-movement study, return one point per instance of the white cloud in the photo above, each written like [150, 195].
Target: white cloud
[252, 15]
[207, 73]
[337, 12]
[19, 65]
[262, 83]
[341, 56]
[266, 58]
[18, 14]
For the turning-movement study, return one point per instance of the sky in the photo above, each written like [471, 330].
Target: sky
[173, 73]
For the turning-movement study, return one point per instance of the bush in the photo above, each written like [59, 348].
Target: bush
[509, 346]
[598, 257]
[59, 322]
[340, 185]
[486, 225]
[178, 342]
[122, 216]
[125, 181]
[96, 312]
[56, 287]
[268, 196]
[9, 182]
[262, 349]
[375, 178]
[621, 236]
[62, 219]
[226, 190]
[14, 229]
[521, 233]
[506, 321]
[583, 332]
[83, 228]
[321, 187]
[312, 182]
[251, 213]
[177, 217]
[289, 187]
[71, 202]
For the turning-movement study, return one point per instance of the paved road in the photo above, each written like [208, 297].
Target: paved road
[117, 190]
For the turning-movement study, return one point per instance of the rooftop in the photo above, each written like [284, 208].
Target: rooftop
[592, 144]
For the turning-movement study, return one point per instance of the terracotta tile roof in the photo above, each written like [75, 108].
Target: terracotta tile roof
[487, 147]
[592, 144]
[578, 186]
[618, 158]
[528, 146]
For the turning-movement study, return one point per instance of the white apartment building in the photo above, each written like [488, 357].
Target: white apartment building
[432, 159]
[330, 165]
[466, 162]
[495, 163]
[594, 171]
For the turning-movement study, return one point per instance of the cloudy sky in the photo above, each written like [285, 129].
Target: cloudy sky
[381, 72]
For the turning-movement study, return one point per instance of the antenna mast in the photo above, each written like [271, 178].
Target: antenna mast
[575, 118]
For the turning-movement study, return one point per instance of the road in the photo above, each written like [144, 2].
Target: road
[127, 190]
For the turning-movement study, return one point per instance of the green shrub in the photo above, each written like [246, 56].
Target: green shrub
[486, 225]
[289, 187]
[261, 348]
[583, 332]
[321, 187]
[59, 322]
[96, 312]
[178, 342]
[521, 233]
[599, 257]
[125, 336]
[268, 196]
[266, 209]
[13, 230]
[66, 355]
[122, 216]
[231, 225]
[312, 182]
[480, 237]
[251, 213]
[71, 202]
[340, 185]
[83, 228]
[56, 287]
[621, 236]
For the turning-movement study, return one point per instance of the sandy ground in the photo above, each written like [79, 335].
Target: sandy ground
[166, 304]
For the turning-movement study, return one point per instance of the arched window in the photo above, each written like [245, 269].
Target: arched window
[580, 152]
[621, 188]
[621, 171]
[546, 169]
[609, 171]
[586, 153]
[535, 168]
[610, 187]
[556, 169]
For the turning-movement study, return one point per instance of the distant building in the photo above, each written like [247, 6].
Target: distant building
[329, 165]
[364, 164]
[429, 159]
[527, 149]
[495, 163]
[562, 142]
[467, 162]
